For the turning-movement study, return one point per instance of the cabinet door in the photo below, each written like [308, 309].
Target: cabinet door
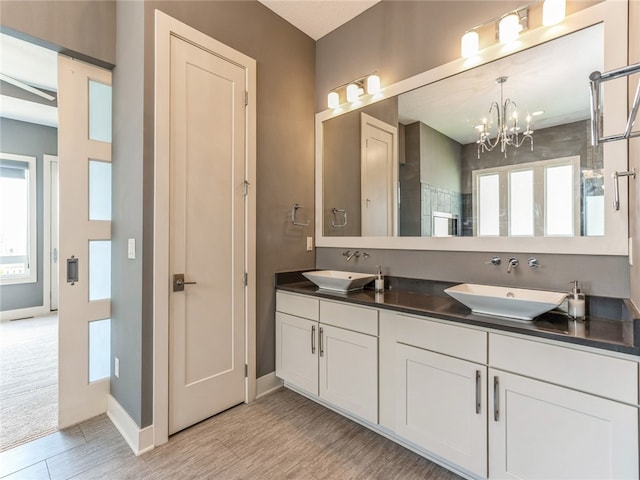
[538, 430]
[349, 371]
[441, 407]
[297, 351]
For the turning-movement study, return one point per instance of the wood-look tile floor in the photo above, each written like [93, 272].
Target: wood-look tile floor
[280, 436]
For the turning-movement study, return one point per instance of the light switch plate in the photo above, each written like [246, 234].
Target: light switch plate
[309, 244]
[131, 249]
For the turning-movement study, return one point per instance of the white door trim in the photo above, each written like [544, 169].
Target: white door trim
[47, 160]
[167, 26]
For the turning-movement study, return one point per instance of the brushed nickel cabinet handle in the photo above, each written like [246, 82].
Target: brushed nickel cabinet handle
[313, 339]
[496, 398]
[321, 344]
[478, 380]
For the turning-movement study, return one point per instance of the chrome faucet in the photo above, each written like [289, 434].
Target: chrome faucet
[350, 255]
[513, 263]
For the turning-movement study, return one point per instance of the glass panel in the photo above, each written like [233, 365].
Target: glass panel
[99, 349]
[489, 205]
[99, 111]
[559, 200]
[99, 269]
[16, 220]
[99, 190]
[521, 203]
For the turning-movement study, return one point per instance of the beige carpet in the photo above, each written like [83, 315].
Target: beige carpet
[28, 380]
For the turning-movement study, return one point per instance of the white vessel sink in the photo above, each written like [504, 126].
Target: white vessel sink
[517, 303]
[338, 281]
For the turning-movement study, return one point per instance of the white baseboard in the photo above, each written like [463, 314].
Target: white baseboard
[9, 315]
[140, 440]
[267, 384]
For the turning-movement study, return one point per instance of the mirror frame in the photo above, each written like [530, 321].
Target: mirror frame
[612, 14]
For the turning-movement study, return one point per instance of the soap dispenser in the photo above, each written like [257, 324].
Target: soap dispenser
[576, 302]
[379, 282]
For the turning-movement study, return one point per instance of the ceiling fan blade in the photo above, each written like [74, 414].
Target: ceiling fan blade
[24, 86]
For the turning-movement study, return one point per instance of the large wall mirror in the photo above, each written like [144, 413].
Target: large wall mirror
[410, 170]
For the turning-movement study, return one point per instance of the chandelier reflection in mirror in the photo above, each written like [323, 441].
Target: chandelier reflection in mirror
[508, 131]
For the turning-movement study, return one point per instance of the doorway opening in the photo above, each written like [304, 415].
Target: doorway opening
[28, 242]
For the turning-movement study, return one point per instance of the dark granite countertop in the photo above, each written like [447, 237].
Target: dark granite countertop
[612, 324]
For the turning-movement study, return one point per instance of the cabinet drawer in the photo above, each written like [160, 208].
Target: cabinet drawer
[461, 342]
[299, 305]
[351, 317]
[609, 377]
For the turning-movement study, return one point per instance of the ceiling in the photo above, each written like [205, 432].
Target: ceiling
[37, 66]
[316, 18]
[34, 66]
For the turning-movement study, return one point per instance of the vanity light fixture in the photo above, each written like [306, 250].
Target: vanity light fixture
[333, 100]
[373, 84]
[470, 44]
[509, 28]
[508, 131]
[553, 12]
[355, 89]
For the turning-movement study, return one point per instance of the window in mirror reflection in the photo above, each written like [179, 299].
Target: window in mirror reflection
[559, 199]
[543, 199]
[521, 203]
[488, 205]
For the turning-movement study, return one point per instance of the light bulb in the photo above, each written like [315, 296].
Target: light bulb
[353, 92]
[373, 84]
[509, 28]
[333, 100]
[553, 11]
[470, 44]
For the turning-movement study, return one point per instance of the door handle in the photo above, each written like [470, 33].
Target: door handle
[313, 339]
[179, 283]
[72, 270]
[321, 343]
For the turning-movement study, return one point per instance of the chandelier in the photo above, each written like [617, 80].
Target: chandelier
[508, 131]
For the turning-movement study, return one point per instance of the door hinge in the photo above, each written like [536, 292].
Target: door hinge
[245, 279]
[246, 98]
[246, 371]
[245, 188]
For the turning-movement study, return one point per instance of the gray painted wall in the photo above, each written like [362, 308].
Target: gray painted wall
[404, 38]
[285, 167]
[127, 335]
[598, 274]
[34, 140]
[82, 28]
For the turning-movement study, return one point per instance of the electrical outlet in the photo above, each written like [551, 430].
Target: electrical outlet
[309, 244]
[116, 367]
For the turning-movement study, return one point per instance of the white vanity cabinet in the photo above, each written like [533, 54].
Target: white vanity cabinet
[297, 330]
[440, 390]
[332, 354]
[539, 428]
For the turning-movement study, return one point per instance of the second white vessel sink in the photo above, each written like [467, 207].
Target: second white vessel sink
[517, 303]
[338, 281]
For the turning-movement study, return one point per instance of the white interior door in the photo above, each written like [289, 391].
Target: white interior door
[379, 177]
[84, 152]
[206, 235]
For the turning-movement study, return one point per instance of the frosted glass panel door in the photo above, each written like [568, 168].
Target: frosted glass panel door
[99, 190]
[84, 136]
[99, 111]
[99, 349]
